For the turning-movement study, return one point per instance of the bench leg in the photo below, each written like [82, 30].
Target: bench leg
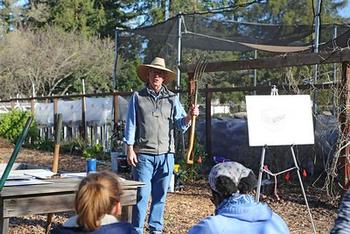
[48, 223]
[4, 225]
[127, 213]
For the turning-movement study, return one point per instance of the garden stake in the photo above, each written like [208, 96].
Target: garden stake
[57, 143]
[198, 73]
[56, 154]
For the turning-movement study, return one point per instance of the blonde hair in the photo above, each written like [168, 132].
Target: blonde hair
[98, 193]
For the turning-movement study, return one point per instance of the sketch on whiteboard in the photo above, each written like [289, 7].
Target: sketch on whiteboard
[273, 119]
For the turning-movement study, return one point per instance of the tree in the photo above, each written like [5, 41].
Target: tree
[99, 18]
[117, 14]
[10, 14]
[51, 61]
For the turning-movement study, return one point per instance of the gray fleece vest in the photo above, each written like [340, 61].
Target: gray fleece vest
[155, 122]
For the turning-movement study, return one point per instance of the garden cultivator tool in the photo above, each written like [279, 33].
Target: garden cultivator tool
[198, 73]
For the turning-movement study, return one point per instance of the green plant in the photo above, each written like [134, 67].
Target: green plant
[194, 171]
[94, 151]
[12, 124]
[73, 146]
[45, 145]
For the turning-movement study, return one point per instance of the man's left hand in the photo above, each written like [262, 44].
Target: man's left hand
[193, 111]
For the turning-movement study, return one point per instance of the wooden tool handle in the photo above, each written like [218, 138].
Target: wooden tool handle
[189, 155]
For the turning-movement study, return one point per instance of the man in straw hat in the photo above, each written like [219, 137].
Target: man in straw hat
[153, 114]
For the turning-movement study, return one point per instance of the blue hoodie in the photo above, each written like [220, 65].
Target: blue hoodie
[241, 214]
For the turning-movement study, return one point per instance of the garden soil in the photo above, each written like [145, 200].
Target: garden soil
[186, 207]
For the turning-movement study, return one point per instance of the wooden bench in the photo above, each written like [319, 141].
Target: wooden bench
[52, 198]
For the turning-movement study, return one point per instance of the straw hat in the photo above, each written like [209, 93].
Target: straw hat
[157, 63]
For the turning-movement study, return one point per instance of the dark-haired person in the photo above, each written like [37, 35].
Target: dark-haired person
[153, 114]
[97, 205]
[236, 210]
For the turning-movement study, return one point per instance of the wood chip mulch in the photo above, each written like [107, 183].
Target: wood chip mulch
[186, 207]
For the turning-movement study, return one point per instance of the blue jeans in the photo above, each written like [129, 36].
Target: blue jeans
[155, 171]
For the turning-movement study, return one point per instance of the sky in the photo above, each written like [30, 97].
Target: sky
[346, 11]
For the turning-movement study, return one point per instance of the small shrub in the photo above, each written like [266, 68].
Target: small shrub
[95, 151]
[45, 145]
[73, 146]
[12, 124]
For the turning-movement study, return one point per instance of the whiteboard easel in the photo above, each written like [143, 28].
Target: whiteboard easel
[280, 120]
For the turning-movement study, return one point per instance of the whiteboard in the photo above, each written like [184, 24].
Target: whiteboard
[279, 120]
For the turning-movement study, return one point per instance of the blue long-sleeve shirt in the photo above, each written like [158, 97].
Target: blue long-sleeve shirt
[130, 128]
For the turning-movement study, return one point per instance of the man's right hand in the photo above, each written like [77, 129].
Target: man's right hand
[132, 157]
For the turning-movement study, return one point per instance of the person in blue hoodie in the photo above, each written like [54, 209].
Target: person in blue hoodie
[97, 204]
[342, 222]
[236, 210]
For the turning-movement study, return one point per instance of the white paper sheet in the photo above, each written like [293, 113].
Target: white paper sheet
[279, 120]
[73, 175]
[39, 173]
[9, 183]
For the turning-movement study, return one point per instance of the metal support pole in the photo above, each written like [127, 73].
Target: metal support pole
[317, 25]
[316, 42]
[115, 84]
[208, 97]
[178, 60]
[335, 94]
[261, 170]
[83, 131]
[255, 73]
[115, 121]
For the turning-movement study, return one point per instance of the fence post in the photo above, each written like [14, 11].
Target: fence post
[12, 103]
[345, 124]
[32, 105]
[208, 96]
[115, 112]
[55, 111]
[83, 118]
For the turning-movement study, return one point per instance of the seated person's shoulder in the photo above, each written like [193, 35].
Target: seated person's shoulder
[209, 225]
[120, 228]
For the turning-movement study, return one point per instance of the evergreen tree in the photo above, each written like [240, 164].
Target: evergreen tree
[91, 17]
[78, 15]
